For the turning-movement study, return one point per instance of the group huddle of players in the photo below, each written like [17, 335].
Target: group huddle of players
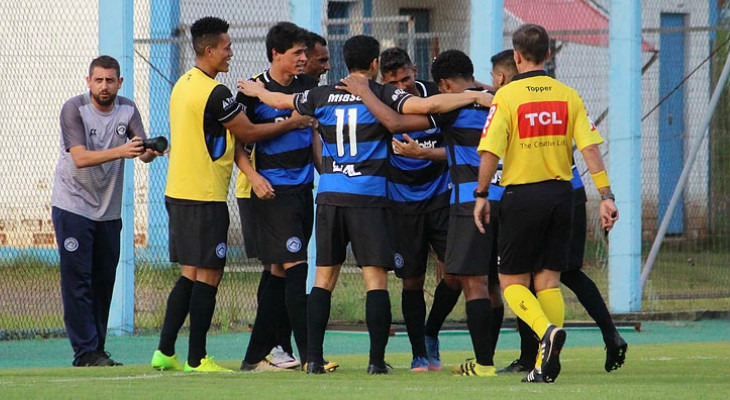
[399, 172]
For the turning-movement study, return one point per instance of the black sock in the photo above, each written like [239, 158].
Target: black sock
[263, 335]
[283, 327]
[590, 297]
[318, 314]
[497, 319]
[378, 320]
[414, 314]
[528, 344]
[178, 305]
[478, 320]
[202, 306]
[444, 300]
[296, 305]
[262, 284]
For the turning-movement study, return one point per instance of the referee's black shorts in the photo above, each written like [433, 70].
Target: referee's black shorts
[535, 225]
[198, 232]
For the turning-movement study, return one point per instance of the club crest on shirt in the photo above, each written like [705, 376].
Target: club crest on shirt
[293, 244]
[121, 129]
[71, 244]
[221, 250]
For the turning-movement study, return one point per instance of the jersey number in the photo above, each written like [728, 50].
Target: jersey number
[351, 131]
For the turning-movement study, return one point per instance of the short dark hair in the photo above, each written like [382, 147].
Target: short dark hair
[393, 59]
[359, 51]
[452, 64]
[282, 37]
[532, 42]
[506, 60]
[314, 38]
[106, 62]
[206, 32]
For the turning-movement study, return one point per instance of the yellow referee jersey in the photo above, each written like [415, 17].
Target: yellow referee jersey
[531, 126]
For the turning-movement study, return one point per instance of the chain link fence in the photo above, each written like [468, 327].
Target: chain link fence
[47, 57]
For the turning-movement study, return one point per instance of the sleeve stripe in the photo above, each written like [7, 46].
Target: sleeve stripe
[235, 111]
[399, 105]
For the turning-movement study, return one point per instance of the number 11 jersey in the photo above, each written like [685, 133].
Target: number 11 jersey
[354, 144]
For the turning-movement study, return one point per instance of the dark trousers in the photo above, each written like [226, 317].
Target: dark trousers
[89, 253]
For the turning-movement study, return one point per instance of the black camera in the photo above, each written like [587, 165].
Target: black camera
[158, 144]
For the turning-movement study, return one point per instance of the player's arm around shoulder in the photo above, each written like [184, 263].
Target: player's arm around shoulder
[393, 121]
[445, 102]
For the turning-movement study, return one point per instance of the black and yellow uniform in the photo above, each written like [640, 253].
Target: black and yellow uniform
[199, 173]
[532, 125]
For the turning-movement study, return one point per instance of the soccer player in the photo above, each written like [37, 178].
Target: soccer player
[531, 126]
[248, 181]
[453, 71]
[204, 118]
[419, 190]
[352, 195]
[286, 163]
[86, 204]
[318, 57]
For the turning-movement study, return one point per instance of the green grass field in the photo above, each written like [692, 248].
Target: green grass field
[666, 360]
[663, 372]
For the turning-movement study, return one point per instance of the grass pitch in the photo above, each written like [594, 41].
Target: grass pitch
[652, 371]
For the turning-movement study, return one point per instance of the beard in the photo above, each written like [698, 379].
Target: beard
[104, 103]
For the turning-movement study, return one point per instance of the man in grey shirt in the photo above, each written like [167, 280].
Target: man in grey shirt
[98, 131]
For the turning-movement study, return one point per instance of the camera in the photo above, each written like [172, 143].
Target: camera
[158, 144]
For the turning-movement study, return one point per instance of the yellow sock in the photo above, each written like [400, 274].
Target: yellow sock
[551, 302]
[525, 305]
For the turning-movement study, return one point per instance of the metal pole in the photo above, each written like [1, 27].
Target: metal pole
[624, 165]
[116, 27]
[685, 171]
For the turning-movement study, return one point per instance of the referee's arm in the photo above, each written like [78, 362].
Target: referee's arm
[487, 167]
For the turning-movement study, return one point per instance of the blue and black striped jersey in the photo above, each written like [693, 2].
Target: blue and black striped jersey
[354, 144]
[285, 160]
[462, 130]
[417, 186]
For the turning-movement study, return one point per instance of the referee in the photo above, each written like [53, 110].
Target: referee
[531, 126]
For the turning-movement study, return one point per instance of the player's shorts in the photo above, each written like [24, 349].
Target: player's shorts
[198, 233]
[413, 235]
[285, 227]
[535, 225]
[578, 233]
[249, 226]
[494, 207]
[468, 251]
[367, 229]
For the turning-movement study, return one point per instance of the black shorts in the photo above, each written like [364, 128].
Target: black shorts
[249, 226]
[578, 233]
[535, 225]
[468, 251]
[367, 229]
[413, 235]
[493, 227]
[285, 227]
[198, 233]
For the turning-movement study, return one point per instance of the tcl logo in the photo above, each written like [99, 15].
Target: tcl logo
[543, 118]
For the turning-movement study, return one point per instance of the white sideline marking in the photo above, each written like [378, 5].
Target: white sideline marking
[110, 378]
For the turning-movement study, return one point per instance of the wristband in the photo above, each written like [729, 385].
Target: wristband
[483, 194]
[601, 179]
[608, 196]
